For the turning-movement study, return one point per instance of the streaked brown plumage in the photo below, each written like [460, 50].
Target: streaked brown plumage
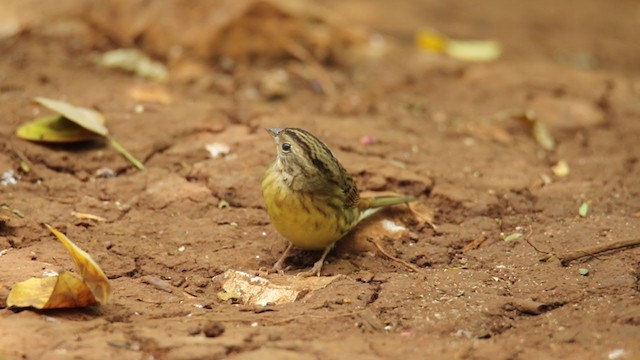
[311, 199]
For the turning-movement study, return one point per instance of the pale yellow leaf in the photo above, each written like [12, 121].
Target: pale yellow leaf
[90, 272]
[56, 292]
[473, 50]
[87, 118]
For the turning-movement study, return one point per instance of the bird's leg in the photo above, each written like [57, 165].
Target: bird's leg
[317, 267]
[277, 267]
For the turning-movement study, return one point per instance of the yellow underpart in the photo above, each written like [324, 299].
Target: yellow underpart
[306, 220]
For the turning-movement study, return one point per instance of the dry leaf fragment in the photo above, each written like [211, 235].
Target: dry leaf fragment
[151, 94]
[88, 216]
[560, 169]
[538, 128]
[514, 236]
[466, 50]
[260, 291]
[135, 61]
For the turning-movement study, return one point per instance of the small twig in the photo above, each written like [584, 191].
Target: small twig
[531, 307]
[475, 243]
[157, 283]
[86, 216]
[594, 250]
[393, 258]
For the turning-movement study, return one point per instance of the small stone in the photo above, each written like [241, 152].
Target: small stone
[177, 282]
[275, 84]
[199, 281]
[213, 329]
[194, 330]
[583, 271]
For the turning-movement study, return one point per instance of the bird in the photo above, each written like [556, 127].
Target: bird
[310, 198]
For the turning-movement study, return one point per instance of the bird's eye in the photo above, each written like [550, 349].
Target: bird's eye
[286, 147]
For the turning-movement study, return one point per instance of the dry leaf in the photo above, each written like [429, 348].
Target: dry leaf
[55, 292]
[465, 50]
[64, 290]
[87, 118]
[135, 61]
[561, 169]
[90, 272]
[151, 94]
[538, 128]
[260, 291]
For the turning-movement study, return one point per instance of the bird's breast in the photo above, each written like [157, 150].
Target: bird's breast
[309, 221]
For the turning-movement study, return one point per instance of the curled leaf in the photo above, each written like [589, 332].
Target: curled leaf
[87, 118]
[90, 272]
[64, 290]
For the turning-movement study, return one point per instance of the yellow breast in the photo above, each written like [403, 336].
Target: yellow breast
[307, 222]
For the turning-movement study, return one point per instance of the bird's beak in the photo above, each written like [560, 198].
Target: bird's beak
[274, 131]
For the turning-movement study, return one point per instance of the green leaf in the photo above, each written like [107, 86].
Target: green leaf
[584, 209]
[513, 237]
[54, 129]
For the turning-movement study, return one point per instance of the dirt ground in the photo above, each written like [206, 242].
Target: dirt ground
[441, 135]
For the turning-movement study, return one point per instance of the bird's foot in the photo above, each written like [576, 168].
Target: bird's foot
[314, 271]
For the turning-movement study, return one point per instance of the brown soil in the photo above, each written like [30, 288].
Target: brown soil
[441, 137]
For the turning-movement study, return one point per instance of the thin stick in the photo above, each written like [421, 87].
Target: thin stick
[594, 250]
[393, 258]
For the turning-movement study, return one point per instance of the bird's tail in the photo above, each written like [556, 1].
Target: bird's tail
[371, 205]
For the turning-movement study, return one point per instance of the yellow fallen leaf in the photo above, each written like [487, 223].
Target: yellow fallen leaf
[431, 40]
[87, 118]
[56, 292]
[55, 129]
[90, 272]
[64, 290]
[466, 50]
